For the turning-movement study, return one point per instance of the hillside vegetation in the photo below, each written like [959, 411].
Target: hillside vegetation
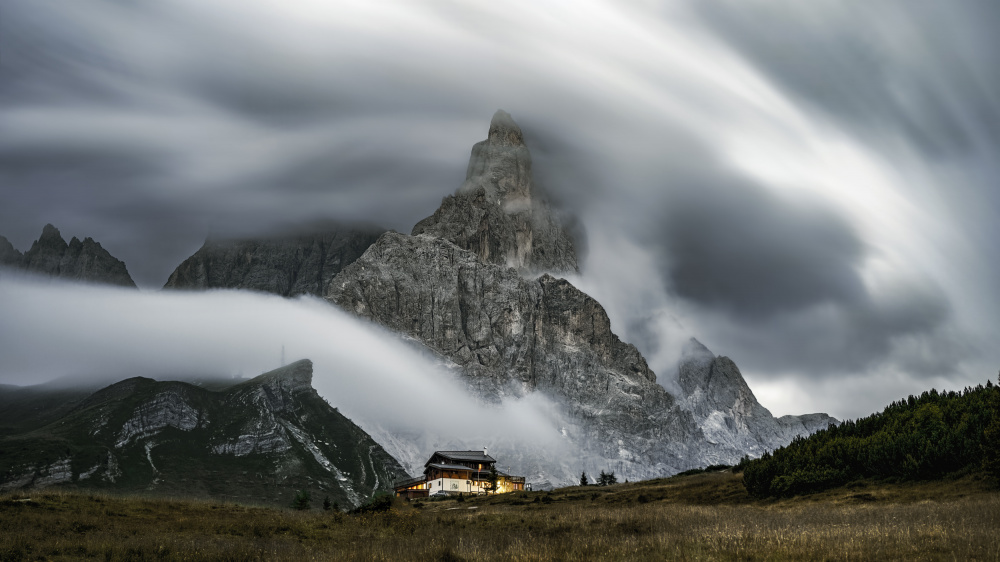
[706, 516]
[919, 438]
[256, 441]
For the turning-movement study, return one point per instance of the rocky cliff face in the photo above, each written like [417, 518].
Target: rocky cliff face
[256, 442]
[496, 213]
[287, 266]
[462, 285]
[8, 254]
[81, 261]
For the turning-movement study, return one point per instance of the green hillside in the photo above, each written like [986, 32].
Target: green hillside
[920, 438]
[256, 442]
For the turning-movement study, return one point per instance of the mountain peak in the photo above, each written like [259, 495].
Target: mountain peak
[497, 214]
[504, 130]
[50, 232]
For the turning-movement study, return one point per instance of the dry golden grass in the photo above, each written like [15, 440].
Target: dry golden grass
[703, 517]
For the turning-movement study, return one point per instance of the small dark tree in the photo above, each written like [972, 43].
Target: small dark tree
[301, 500]
[326, 503]
[493, 480]
[606, 479]
[583, 479]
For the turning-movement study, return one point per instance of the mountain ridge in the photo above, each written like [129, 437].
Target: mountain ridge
[256, 441]
[84, 260]
[288, 265]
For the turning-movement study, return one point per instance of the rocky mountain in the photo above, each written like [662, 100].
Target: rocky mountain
[257, 441]
[288, 266]
[80, 261]
[463, 285]
[727, 412]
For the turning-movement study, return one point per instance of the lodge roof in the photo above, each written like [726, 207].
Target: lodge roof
[474, 456]
[410, 481]
[449, 466]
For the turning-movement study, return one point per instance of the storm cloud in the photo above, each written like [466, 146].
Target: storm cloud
[807, 188]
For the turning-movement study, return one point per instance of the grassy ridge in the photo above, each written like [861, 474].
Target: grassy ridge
[705, 516]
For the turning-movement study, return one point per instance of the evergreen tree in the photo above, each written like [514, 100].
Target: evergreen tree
[583, 479]
[301, 500]
[921, 437]
[493, 480]
[606, 479]
[326, 503]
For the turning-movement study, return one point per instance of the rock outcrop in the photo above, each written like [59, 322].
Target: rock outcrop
[8, 254]
[727, 411]
[258, 442]
[287, 266]
[79, 260]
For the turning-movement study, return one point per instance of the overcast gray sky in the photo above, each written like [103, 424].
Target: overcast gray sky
[807, 187]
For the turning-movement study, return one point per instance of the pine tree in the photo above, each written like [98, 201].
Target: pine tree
[492, 480]
[301, 500]
[607, 478]
[583, 479]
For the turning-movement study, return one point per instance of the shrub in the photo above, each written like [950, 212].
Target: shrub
[380, 503]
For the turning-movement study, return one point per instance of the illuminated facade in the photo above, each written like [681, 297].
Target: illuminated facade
[458, 472]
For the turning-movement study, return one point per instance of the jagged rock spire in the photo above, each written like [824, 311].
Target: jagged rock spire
[83, 261]
[497, 214]
[503, 130]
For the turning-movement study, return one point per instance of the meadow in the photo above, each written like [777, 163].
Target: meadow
[697, 517]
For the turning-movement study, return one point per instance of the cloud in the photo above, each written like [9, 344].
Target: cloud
[877, 67]
[807, 188]
[734, 246]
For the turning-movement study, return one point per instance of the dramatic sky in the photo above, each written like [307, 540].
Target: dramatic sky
[808, 187]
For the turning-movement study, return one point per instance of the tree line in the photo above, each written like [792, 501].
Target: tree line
[919, 438]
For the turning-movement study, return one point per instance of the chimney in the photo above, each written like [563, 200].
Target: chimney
[485, 453]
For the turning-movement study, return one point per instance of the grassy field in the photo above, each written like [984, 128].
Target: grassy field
[700, 517]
